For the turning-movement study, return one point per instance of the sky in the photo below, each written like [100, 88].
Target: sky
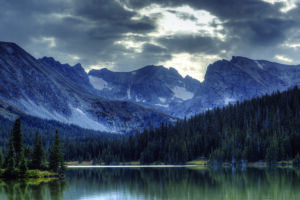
[124, 35]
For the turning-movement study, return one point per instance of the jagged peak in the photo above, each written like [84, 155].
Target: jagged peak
[49, 60]
[13, 48]
[239, 58]
[12, 44]
[78, 66]
[96, 71]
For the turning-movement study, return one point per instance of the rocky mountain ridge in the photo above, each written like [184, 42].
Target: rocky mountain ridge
[48, 90]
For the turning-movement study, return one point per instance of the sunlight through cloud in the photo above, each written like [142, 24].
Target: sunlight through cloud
[288, 4]
[182, 20]
[188, 64]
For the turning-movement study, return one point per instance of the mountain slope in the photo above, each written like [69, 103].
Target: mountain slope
[225, 82]
[153, 86]
[42, 89]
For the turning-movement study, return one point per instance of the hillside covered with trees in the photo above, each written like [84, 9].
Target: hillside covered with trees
[264, 128]
[19, 157]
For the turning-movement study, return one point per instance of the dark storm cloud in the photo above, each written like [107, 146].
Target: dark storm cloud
[151, 48]
[94, 30]
[269, 31]
[112, 12]
[245, 21]
[88, 29]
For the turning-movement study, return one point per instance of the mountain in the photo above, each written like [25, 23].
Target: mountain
[242, 78]
[153, 86]
[75, 73]
[125, 101]
[49, 90]
[225, 82]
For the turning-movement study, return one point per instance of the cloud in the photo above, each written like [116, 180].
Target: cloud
[127, 34]
[283, 58]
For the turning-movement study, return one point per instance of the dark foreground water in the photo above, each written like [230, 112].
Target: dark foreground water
[160, 183]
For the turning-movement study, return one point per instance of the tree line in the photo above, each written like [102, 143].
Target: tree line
[19, 157]
[263, 128]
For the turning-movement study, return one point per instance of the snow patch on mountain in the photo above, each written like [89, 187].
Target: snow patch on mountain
[163, 100]
[182, 93]
[258, 64]
[98, 83]
[128, 93]
[162, 105]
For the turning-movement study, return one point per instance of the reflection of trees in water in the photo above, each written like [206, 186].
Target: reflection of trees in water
[257, 183]
[161, 183]
[149, 183]
[179, 183]
[33, 189]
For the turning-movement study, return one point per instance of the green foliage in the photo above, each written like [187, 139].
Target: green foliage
[38, 174]
[17, 140]
[23, 169]
[56, 162]
[10, 159]
[296, 161]
[13, 170]
[263, 128]
[1, 158]
[38, 154]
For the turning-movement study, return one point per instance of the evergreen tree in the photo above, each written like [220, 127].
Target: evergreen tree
[23, 165]
[10, 170]
[17, 140]
[56, 162]
[38, 154]
[1, 158]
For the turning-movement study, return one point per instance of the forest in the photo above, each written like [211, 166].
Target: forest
[19, 157]
[264, 128]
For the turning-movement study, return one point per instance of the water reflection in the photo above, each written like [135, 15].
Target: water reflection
[161, 183]
[33, 189]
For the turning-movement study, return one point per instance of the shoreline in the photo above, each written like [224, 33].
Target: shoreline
[133, 166]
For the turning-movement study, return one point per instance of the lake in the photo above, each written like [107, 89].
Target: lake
[160, 183]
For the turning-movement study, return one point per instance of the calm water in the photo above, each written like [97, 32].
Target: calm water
[162, 183]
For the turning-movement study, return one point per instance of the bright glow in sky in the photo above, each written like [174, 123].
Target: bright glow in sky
[182, 20]
[179, 21]
[282, 58]
[192, 65]
[288, 4]
[124, 35]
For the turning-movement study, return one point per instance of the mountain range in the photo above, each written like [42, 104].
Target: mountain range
[46, 89]
[225, 82]
[125, 101]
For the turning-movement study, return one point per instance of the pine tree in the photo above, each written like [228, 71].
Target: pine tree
[10, 170]
[17, 140]
[38, 155]
[1, 158]
[56, 162]
[23, 165]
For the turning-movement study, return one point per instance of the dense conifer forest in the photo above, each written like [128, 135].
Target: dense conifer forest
[19, 157]
[263, 128]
